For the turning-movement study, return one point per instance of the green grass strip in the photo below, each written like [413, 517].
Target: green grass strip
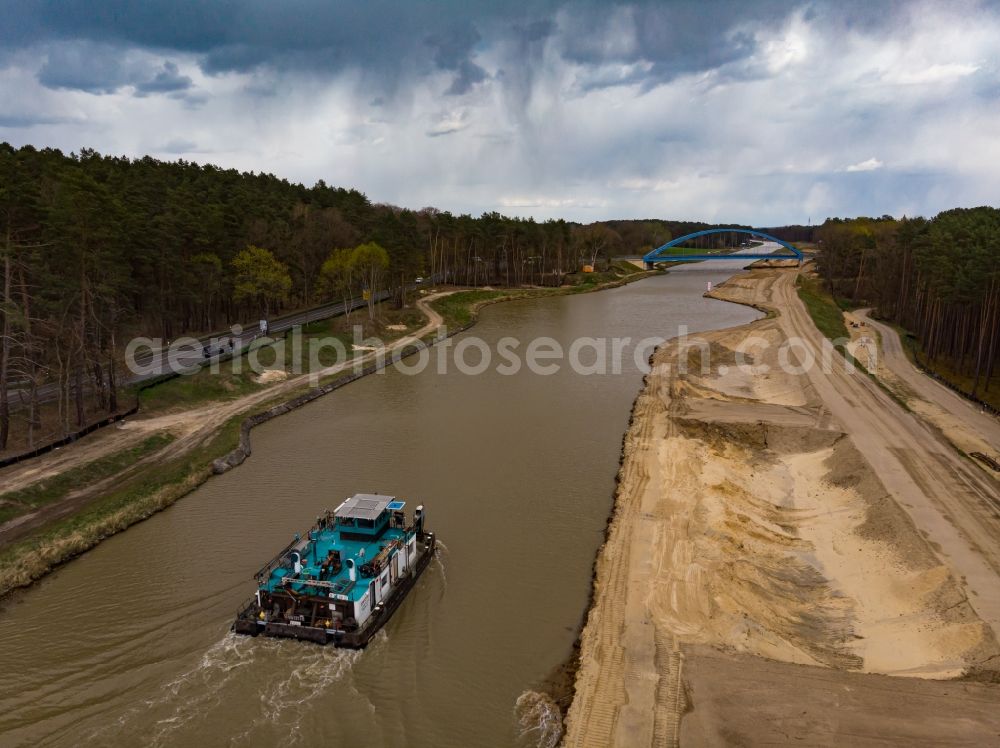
[56, 487]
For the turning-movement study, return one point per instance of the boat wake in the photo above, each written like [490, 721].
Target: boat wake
[298, 675]
[440, 555]
[285, 701]
[539, 720]
[191, 694]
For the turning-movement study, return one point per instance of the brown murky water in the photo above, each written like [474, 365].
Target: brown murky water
[130, 644]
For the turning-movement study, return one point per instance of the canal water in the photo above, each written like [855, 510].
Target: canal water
[130, 644]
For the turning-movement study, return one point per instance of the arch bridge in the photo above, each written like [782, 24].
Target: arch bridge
[657, 255]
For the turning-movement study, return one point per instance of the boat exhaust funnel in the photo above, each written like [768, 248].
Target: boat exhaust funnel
[351, 571]
[418, 519]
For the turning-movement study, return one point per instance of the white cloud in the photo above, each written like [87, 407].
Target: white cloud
[870, 164]
[790, 48]
[938, 73]
[551, 202]
[640, 184]
[448, 123]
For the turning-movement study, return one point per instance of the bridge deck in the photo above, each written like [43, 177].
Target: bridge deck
[734, 256]
[656, 255]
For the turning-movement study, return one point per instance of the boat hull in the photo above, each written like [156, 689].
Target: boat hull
[247, 622]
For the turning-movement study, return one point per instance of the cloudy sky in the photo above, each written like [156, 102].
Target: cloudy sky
[762, 112]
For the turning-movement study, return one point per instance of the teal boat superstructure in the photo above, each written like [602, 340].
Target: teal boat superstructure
[342, 581]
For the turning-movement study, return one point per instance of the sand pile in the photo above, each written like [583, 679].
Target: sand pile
[750, 529]
[270, 376]
[778, 539]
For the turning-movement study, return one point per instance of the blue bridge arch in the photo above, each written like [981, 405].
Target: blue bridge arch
[657, 256]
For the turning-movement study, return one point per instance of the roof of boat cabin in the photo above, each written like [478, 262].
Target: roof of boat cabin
[363, 506]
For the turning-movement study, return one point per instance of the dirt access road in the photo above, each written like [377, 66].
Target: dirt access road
[780, 538]
[969, 427]
[192, 428]
[948, 497]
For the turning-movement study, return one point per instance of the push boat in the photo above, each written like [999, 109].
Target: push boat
[341, 582]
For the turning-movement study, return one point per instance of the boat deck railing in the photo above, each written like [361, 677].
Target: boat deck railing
[340, 586]
[242, 611]
[266, 569]
[298, 544]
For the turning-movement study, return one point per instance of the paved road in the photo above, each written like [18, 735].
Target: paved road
[161, 362]
[155, 363]
[986, 426]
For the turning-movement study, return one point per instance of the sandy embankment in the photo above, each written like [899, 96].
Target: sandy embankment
[749, 526]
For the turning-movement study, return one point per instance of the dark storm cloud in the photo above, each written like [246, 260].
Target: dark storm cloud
[319, 37]
[167, 80]
[453, 46]
[453, 51]
[85, 66]
[394, 40]
[100, 68]
[527, 42]
[467, 74]
[694, 36]
[678, 38]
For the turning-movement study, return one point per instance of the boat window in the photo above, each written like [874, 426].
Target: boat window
[368, 523]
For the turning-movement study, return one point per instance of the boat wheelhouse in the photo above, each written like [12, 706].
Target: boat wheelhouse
[341, 582]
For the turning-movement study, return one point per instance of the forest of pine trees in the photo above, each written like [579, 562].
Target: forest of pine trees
[97, 249]
[938, 278]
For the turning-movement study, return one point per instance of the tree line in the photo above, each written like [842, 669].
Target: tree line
[938, 278]
[96, 249]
